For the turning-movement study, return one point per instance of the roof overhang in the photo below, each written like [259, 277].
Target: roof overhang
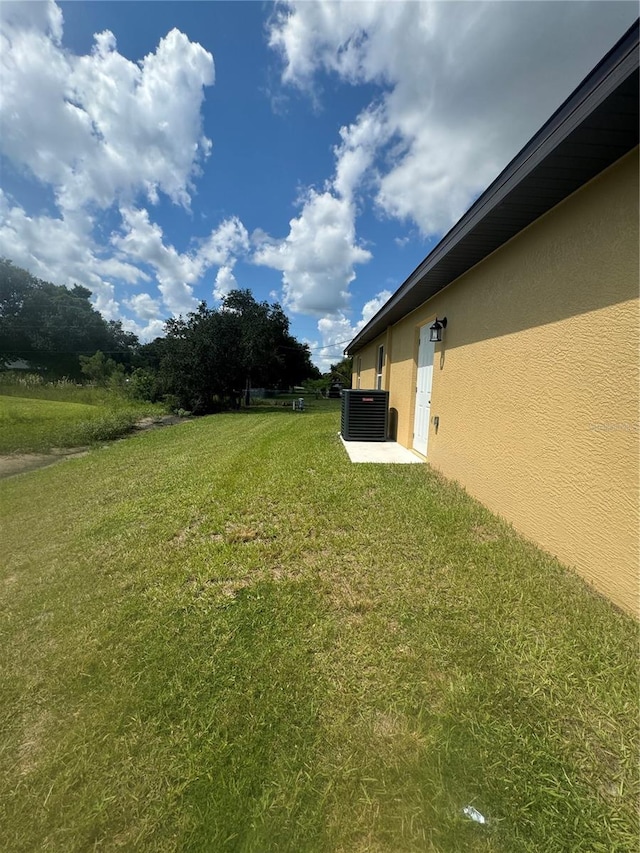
[594, 127]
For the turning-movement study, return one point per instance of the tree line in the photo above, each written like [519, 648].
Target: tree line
[208, 360]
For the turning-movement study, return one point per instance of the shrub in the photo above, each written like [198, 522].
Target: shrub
[142, 385]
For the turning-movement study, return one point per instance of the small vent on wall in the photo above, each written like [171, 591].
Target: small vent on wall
[365, 415]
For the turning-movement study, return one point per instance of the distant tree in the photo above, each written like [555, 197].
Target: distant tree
[297, 366]
[148, 356]
[344, 370]
[261, 329]
[123, 345]
[15, 284]
[194, 360]
[50, 326]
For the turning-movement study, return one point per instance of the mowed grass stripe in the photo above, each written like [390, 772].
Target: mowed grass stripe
[223, 636]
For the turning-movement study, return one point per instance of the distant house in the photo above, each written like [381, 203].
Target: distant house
[18, 364]
[530, 400]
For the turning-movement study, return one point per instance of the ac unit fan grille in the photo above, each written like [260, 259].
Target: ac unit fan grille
[365, 415]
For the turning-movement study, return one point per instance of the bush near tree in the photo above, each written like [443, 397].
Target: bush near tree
[342, 370]
[338, 374]
[102, 370]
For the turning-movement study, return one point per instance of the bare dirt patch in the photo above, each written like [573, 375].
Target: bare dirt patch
[154, 422]
[482, 533]
[19, 463]
[238, 533]
[35, 724]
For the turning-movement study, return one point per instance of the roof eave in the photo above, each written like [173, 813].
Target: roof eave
[617, 67]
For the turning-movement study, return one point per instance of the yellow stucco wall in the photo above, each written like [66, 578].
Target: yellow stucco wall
[536, 381]
[367, 367]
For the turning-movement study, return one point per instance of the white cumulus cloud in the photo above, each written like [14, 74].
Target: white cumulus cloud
[357, 151]
[318, 255]
[103, 132]
[337, 330]
[62, 250]
[229, 239]
[225, 282]
[142, 241]
[100, 127]
[462, 86]
[144, 305]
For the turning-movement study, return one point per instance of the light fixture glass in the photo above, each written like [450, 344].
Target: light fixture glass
[435, 330]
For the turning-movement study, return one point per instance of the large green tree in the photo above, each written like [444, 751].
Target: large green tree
[214, 357]
[296, 363]
[50, 326]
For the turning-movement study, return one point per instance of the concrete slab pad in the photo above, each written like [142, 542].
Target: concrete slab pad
[381, 452]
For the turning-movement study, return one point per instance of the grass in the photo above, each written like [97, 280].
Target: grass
[33, 422]
[224, 637]
[34, 387]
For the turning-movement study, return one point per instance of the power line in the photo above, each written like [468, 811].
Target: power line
[35, 352]
[26, 352]
[329, 346]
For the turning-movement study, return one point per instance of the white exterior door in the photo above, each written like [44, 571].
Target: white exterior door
[423, 392]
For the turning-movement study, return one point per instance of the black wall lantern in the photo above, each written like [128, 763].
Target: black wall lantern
[436, 330]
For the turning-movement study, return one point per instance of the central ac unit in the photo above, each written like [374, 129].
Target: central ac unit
[365, 415]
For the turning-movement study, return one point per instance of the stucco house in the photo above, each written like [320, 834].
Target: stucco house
[530, 398]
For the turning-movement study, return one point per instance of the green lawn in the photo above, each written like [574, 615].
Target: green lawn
[222, 636]
[30, 424]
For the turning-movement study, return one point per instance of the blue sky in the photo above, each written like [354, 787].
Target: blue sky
[161, 153]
